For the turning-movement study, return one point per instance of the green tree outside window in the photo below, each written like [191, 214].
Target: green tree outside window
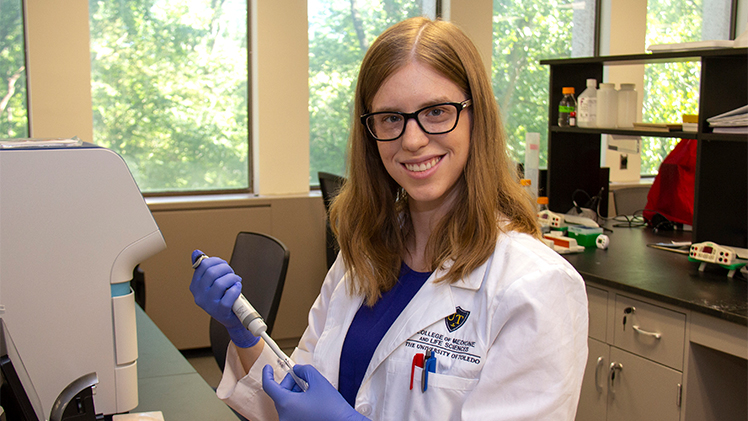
[672, 89]
[169, 85]
[524, 32]
[13, 102]
[340, 32]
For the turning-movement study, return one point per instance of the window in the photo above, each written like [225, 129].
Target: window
[524, 32]
[169, 86]
[340, 32]
[671, 90]
[13, 103]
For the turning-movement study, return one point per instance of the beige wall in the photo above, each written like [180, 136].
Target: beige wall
[280, 96]
[211, 226]
[475, 17]
[59, 69]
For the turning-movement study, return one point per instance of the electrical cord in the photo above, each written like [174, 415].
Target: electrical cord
[630, 221]
[593, 203]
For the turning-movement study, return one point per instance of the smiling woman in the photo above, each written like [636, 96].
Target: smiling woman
[427, 166]
[439, 260]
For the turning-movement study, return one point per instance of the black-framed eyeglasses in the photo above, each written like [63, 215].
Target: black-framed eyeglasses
[385, 126]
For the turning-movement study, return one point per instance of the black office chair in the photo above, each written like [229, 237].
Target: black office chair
[330, 185]
[261, 261]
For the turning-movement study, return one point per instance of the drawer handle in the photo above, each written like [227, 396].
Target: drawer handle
[655, 335]
[612, 375]
[600, 363]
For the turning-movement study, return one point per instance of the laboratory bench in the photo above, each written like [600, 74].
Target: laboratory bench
[666, 340]
[630, 265]
[167, 382]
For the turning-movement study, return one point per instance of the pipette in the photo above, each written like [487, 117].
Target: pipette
[252, 320]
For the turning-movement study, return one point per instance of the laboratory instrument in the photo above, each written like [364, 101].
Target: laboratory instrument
[551, 219]
[252, 321]
[74, 226]
[709, 252]
[602, 242]
[561, 244]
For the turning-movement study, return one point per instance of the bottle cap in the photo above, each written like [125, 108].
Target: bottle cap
[542, 200]
[608, 85]
[567, 90]
[525, 182]
[592, 83]
[627, 86]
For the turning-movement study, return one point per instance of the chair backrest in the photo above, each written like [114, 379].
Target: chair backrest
[330, 185]
[630, 200]
[261, 261]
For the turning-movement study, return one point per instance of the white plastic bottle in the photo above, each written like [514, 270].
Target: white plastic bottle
[607, 106]
[626, 105]
[587, 105]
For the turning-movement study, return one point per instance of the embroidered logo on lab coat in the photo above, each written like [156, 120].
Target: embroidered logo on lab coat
[456, 320]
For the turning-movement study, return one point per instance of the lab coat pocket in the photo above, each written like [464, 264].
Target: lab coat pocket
[442, 400]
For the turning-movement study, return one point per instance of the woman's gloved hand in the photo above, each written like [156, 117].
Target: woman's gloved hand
[215, 287]
[321, 402]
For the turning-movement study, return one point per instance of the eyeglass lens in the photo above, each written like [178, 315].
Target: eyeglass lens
[437, 119]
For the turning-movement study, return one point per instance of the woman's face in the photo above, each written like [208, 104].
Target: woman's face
[426, 166]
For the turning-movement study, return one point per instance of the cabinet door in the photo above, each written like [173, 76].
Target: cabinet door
[642, 390]
[598, 312]
[593, 400]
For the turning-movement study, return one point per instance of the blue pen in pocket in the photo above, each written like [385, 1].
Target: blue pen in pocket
[429, 366]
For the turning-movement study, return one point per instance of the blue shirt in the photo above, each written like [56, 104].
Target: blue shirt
[368, 328]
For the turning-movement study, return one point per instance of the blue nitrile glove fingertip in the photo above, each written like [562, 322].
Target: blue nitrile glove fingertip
[268, 381]
[305, 371]
[195, 255]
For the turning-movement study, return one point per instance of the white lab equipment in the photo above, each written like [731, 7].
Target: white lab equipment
[532, 162]
[607, 106]
[587, 115]
[627, 103]
[73, 226]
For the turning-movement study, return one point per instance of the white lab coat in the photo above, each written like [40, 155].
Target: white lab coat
[519, 355]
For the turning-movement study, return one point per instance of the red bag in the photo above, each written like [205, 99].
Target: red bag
[672, 192]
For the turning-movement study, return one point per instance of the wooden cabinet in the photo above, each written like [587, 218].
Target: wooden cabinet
[721, 190]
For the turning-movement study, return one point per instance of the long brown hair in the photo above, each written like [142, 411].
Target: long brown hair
[370, 215]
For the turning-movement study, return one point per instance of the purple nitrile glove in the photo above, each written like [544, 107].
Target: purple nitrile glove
[215, 287]
[321, 401]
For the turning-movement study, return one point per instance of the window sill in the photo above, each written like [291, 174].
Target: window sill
[220, 201]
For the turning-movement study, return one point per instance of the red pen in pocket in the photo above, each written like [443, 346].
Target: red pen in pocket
[417, 361]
